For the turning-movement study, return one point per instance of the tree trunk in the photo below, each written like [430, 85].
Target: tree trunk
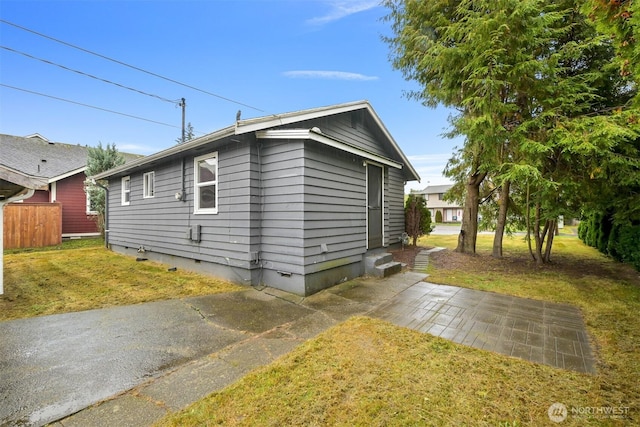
[528, 221]
[503, 204]
[553, 226]
[469, 230]
[537, 255]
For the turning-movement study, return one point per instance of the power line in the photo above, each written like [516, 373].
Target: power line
[88, 75]
[88, 106]
[129, 66]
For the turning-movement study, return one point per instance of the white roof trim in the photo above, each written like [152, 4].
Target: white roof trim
[176, 149]
[37, 135]
[261, 123]
[67, 175]
[315, 135]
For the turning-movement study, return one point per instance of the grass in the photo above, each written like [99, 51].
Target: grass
[82, 275]
[369, 372]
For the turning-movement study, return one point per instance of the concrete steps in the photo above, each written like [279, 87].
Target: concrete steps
[381, 265]
[421, 262]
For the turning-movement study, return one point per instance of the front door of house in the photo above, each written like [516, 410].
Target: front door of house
[374, 206]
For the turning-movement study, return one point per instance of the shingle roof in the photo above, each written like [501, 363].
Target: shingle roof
[36, 156]
[435, 189]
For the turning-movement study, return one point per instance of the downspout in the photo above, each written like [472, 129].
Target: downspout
[183, 191]
[28, 194]
[106, 212]
[261, 195]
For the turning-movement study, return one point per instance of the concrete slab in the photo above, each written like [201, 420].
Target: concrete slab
[126, 411]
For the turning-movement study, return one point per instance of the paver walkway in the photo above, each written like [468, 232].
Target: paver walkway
[542, 332]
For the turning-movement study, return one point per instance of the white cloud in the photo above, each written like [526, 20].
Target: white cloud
[342, 9]
[429, 167]
[136, 149]
[329, 75]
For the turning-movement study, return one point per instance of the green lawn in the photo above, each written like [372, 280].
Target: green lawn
[82, 274]
[369, 372]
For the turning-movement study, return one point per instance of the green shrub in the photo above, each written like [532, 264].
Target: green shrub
[417, 218]
[624, 244]
[438, 216]
[619, 241]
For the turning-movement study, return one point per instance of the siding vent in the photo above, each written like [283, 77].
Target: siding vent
[284, 273]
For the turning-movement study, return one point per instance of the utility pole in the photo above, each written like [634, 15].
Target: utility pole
[183, 104]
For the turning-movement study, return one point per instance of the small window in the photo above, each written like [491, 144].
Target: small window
[148, 186]
[126, 190]
[92, 205]
[206, 184]
[440, 196]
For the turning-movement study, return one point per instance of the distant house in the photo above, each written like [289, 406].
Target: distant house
[434, 195]
[62, 166]
[295, 201]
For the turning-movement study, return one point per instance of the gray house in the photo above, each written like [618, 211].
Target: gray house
[296, 201]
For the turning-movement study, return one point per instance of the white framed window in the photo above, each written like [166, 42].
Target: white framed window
[206, 184]
[126, 190]
[92, 208]
[148, 184]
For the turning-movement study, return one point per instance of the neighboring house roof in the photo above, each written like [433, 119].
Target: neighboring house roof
[261, 125]
[435, 189]
[36, 156]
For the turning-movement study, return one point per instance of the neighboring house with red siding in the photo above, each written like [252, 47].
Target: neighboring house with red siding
[63, 166]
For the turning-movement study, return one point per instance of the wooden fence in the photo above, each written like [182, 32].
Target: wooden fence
[32, 225]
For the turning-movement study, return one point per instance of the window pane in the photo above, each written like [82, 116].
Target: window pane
[149, 184]
[207, 197]
[207, 170]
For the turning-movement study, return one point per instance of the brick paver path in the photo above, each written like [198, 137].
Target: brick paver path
[539, 331]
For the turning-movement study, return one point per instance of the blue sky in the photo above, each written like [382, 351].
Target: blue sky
[259, 56]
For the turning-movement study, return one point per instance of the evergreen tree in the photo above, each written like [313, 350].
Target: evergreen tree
[100, 159]
[417, 218]
[188, 134]
[530, 82]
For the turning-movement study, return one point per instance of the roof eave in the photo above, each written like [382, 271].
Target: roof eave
[172, 151]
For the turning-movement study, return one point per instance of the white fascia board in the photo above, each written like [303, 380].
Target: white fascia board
[261, 123]
[323, 139]
[67, 175]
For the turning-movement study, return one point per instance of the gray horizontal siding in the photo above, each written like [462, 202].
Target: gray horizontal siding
[335, 202]
[395, 203]
[160, 223]
[282, 182]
